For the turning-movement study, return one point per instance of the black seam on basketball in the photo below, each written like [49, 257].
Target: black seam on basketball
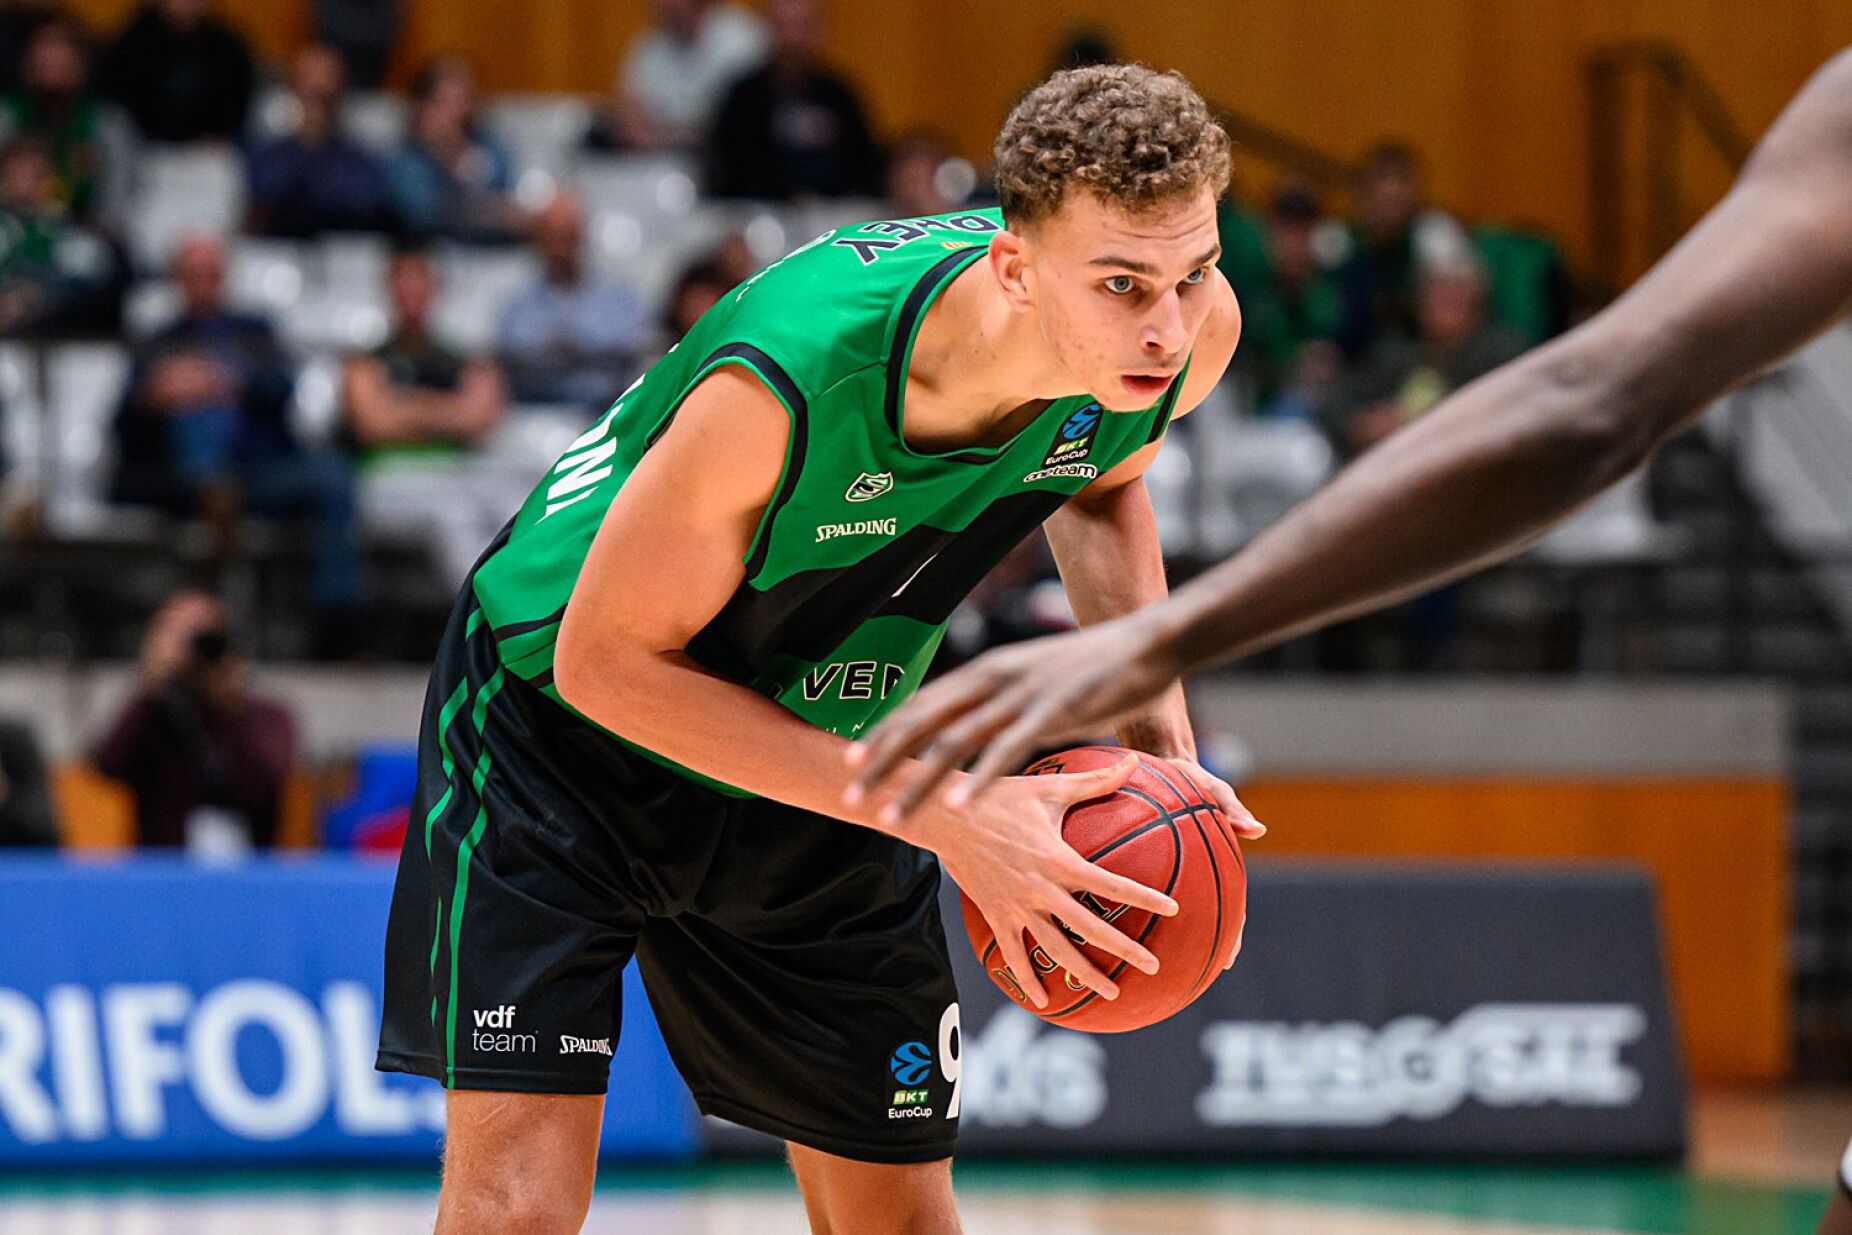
[1227, 838]
[1215, 870]
[1151, 919]
[1206, 976]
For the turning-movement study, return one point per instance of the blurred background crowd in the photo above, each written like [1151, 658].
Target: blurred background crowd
[284, 341]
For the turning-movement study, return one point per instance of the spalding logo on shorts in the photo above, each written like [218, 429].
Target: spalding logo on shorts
[912, 1063]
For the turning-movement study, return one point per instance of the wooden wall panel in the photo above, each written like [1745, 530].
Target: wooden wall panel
[1717, 850]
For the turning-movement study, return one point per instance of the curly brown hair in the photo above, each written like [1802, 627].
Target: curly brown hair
[1131, 135]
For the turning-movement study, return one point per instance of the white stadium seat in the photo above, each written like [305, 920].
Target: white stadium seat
[185, 189]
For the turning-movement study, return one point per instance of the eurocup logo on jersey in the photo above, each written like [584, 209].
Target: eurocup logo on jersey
[1073, 443]
[869, 486]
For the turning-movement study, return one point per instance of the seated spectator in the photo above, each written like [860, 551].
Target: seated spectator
[18, 20]
[1296, 306]
[793, 128]
[316, 179]
[26, 814]
[698, 289]
[57, 276]
[675, 73]
[180, 73]
[1402, 378]
[205, 759]
[202, 430]
[1395, 236]
[572, 337]
[91, 142]
[416, 414]
[363, 32]
[924, 178]
[451, 178]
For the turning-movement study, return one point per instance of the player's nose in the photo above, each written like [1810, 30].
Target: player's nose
[1165, 333]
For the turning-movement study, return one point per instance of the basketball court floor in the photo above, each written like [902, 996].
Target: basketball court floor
[1760, 1165]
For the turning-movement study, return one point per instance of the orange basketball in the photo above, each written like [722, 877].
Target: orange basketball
[1161, 829]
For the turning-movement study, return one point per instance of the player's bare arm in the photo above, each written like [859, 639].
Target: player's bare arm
[1480, 476]
[666, 558]
[1105, 544]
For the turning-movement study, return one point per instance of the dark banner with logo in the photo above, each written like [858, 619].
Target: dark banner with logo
[1421, 1010]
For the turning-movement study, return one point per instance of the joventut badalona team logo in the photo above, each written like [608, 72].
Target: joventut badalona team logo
[869, 486]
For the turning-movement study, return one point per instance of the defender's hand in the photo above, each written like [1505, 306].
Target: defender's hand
[1003, 707]
[1007, 854]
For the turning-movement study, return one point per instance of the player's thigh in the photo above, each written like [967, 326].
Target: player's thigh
[844, 1196]
[520, 1163]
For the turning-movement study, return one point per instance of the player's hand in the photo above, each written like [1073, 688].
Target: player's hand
[1007, 854]
[1238, 818]
[1005, 706]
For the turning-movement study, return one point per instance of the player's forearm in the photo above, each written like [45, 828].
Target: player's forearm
[668, 704]
[1112, 564]
[1471, 482]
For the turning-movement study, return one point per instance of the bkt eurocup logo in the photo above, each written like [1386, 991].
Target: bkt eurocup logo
[911, 1063]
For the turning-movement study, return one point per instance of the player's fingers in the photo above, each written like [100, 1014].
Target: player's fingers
[936, 762]
[948, 751]
[1022, 969]
[1236, 950]
[877, 756]
[1007, 752]
[1105, 936]
[1109, 886]
[1062, 951]
[1240, 819]
[1079, 786]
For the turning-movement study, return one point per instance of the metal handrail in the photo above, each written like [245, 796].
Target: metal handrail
[1676, 93]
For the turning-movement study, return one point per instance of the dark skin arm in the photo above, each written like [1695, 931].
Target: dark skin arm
[1469, 484]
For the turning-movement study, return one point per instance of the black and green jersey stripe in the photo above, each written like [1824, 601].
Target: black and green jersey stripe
[867, 544]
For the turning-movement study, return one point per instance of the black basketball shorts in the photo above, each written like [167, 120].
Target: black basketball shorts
[796, 964]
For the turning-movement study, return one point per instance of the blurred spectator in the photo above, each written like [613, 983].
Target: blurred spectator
[180, 73]
[698, 289]
[1296, 307]
[793, 128]
[91, 142]
[316, 179]
[1403, 378]
[416, 414]
[451, 178]
[1082, 47]
[572, 337]
[363, 32]
[56, 276]
[1396, 235]
[676, 72]
[18, 20]
[26, 814]
[205, 759]
[924, 178]
[202, 430]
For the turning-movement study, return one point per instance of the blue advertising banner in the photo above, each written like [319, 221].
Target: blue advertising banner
[152, 1009]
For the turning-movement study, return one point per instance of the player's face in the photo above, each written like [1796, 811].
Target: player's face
[1119, 297]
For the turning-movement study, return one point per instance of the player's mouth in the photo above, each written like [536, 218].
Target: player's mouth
[1147, 385]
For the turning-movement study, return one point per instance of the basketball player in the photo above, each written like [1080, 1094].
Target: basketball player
[1471, 482]
[634, 739]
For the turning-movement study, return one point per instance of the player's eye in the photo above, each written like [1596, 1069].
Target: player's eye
[1197, 275]
[1120, 284]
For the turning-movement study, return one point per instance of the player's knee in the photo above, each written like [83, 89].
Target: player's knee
[911, 1201]
[510, 1206]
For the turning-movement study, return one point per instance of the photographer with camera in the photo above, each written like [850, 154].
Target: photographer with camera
[205, 758]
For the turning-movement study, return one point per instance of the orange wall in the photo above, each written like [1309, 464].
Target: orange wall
[1490, 89]
[1717, 850]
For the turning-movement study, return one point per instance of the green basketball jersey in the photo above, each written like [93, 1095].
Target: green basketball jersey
[867, 544]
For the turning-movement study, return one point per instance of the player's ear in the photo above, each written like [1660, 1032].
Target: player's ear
[1009, 262]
